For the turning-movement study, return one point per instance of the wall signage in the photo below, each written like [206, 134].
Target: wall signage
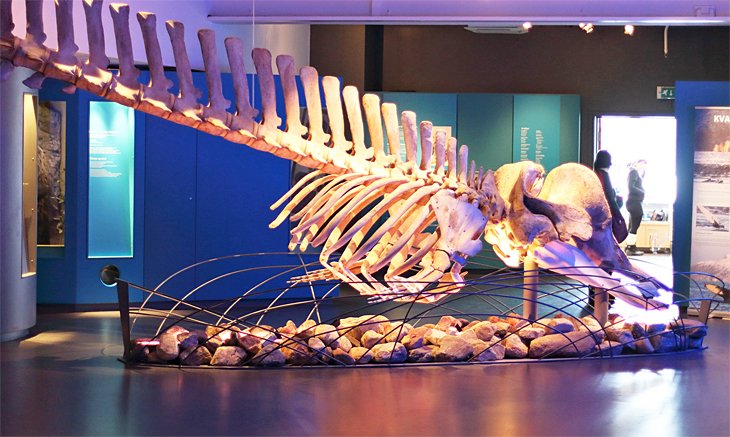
[665, 93]
[536, 134]
[111, 180]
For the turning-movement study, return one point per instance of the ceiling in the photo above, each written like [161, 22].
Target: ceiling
[474, 12]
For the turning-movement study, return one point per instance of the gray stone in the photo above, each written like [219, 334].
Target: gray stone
[228, 356]
[288, 330]
[621, 335]
[318, 349]
[189, 339]
[359, 325]
[638, 330]
[414, 339]
[595, 328]
[494, 352]
[343, 343]
[689, 327]
[370, 339]
[453, 348]
[361, 355]
[608, 348]
[501, 328]
[559, 325]
[306, 329]
[423, 354]
[298, 354]
[434, 336]
[168, 349]
[327, 333]
[176, 329]
[666, 341]
[643, 346]
[483, 330]
[531, 333]
[655, 328]
[195, 356]
[341, 357]
[389, 353]
[445, 322]
[270, 355]
[514, 347]
[694, 343]
[397, 331]
[570, 344]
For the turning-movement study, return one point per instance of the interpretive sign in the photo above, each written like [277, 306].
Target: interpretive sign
[111, 180]
[711, 200]
[536, 135]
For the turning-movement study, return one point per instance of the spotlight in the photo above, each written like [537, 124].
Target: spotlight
[629, 30]
[527, 25]
[587, 27]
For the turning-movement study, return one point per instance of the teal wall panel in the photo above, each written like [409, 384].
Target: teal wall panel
[485, 125]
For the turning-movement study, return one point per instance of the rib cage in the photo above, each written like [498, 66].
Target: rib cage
[359, 186]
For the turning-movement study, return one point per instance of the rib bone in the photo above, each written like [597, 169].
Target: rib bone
[216, 116]
[186, 108]
[155, 99]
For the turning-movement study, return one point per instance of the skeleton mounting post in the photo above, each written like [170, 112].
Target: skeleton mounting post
[530, 282]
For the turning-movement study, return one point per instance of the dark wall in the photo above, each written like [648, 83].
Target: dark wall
[612, 72]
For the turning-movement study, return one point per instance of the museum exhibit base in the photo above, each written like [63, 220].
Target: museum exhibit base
[486, 321]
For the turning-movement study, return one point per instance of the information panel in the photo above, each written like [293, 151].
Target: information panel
[111, 180]
[711, 209]
[536, 135]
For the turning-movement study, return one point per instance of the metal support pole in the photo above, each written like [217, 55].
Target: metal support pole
[530, 283]
[123, 296]
[600, 308]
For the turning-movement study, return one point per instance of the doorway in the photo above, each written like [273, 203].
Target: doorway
[651, 138]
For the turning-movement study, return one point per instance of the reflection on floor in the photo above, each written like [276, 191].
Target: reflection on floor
[66, 380]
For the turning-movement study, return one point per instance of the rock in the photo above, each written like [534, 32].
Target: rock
[318, 349]
[558, 325]
[637, 330]
[501, 328]
[298, 354]
[370, 339]
[289, 330]
[469, 336]
[666, 341]
[516, 322]
[494, 352]
[222, 333]
[483, 330]
[471, 325]
[176, 329]
[359, 325]
[343, 343]
[306, 329]
[570, 344]
[190, 339]
[415, 338]
[168, 348]
[228, 356]
[341, 357]
[397, 331]
[361, 355]
[434, 336]
[694, 343]
[213, 343]
[327, 333]
[445, 322]
[689, 327]
[423, 354]
[643, 346]
[389, 353]
[608, 348]
[655, 328]
[453, 348]
[621, 335]
[595, 328]
[195, 356]
[270, 355]
[531, 333]
[514, 347]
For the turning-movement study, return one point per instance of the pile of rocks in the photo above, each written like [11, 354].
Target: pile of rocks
[375, 339]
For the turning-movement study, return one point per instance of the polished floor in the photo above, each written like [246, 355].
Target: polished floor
[66, 380]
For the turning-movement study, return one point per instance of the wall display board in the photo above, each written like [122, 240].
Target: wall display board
[30, 181]
[537, 130]
[51, 172]
[711, 194]
[111, 180]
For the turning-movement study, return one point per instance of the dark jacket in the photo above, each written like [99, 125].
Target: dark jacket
[636, 189]
[608, 191]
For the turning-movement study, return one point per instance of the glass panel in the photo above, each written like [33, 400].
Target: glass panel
[30, 103]
[111, 180]
[51, 172]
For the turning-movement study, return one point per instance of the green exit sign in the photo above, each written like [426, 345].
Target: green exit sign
[665, 92]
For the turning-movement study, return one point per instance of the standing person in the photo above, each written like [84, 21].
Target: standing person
[634, 204]
[600, 167]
